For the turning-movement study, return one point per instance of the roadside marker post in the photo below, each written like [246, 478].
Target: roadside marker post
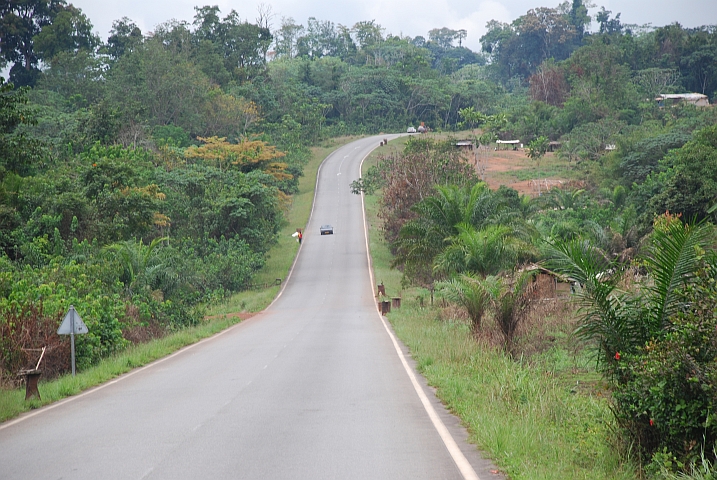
[71, 325]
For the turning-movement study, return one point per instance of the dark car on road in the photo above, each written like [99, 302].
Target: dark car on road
[327, 230]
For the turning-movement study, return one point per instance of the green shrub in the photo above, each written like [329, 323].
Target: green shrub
[668, 396]
[218, 266]
[657, 344]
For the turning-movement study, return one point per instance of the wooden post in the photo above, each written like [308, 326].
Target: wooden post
[385, 307]
[31, 378]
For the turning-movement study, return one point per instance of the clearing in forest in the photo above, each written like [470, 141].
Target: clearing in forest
[514, 169]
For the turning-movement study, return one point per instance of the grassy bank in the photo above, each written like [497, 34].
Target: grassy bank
[540, 416]
[220, 317]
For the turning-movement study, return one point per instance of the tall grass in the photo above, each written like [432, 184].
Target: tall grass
[532, 426]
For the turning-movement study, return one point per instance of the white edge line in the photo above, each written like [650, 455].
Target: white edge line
[123, 376]
[460, 460]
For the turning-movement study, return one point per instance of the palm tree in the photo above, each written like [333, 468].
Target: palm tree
[422, 239]
[142, 265]
[622, 322]
[488, 251]
[672, 262]
[472, 293]
[512, 304]
[564, 199]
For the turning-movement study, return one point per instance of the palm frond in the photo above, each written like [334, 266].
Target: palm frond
[608, 317]
[672, 261]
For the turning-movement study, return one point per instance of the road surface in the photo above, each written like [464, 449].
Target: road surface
[312, 388]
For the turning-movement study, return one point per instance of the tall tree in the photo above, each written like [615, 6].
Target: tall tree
[70, 31]
[608, 26]
[20, 21]
[207, 23]
[579, 18]
[517, 49]
[443, 37]
[244, 46]
[124, 37]
[17, 151]
[287, 37]
[367, 33]
[320, 39]
[546, 34]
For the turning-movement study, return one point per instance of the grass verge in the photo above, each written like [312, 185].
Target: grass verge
[542, 418]
[220, 317]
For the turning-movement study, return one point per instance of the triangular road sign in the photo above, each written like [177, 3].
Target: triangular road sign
[72, 319]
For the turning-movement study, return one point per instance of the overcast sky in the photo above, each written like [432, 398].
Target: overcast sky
[406, 17]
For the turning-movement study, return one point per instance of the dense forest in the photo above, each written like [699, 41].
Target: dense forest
[145, 176]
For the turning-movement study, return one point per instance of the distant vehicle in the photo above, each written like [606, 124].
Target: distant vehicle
[327, 230]
[411, 130]
[422, 129]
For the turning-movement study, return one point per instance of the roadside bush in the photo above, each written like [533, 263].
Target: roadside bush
[658, 344]
[167, 313]
[24, 330]
[688, 182]
[412, 175]
[35, 300]
[668, 397]
[214, 268]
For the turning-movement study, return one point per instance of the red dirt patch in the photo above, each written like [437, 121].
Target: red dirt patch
[500, 163]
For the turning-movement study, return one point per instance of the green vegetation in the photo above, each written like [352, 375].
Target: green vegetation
[221, 316]
[148, 179]
[544, 416]
[656, 344]
[531, 424]
[476, 248]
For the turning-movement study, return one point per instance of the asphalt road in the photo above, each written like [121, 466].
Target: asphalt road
[312, 388]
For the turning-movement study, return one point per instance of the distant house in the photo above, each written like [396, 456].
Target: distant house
[464, 144]
[512, 143]
[696, 99]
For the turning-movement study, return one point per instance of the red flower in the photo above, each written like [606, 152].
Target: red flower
[617, 356]
[652, 422]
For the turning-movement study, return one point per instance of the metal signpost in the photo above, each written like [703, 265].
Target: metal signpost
[71, 325]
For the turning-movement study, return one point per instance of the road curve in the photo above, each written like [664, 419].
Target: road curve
[311, 388]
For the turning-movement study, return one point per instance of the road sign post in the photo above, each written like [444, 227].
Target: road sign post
[71, 325]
